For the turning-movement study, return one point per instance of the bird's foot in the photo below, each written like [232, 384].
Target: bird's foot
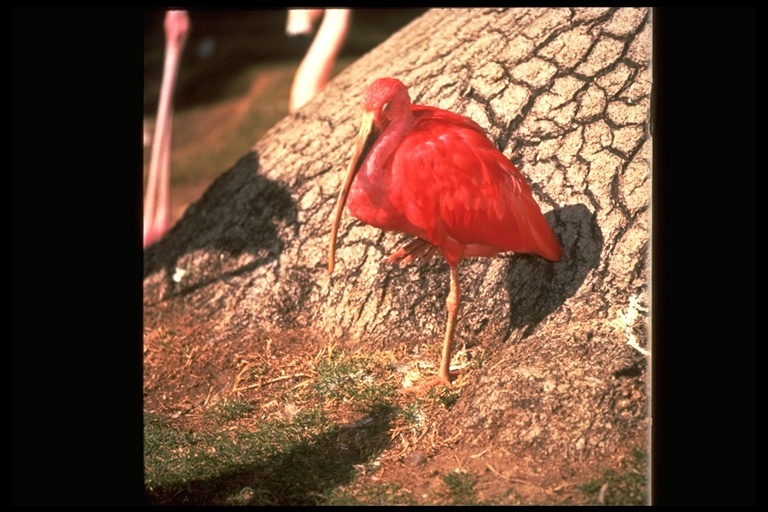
[436, 381]
[417, 249]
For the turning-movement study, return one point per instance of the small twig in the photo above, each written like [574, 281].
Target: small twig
[302, 383]
[261, 384]
[453, 439]
[205, 404]
[562, 486]
[513, 480]
[459, 462]
[475, 456]
[601, 497]
[237, 378]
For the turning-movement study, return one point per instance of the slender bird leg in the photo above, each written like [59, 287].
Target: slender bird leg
[452, 305]
[443, 377]
[301, 21]
[416, 249]
[315, 69]
[156, 200]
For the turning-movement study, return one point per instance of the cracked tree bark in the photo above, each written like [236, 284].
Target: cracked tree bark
[565, 93]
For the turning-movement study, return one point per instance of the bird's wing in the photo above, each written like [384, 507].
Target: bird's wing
[455, 185]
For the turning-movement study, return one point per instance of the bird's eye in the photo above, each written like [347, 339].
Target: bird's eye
[385, 107]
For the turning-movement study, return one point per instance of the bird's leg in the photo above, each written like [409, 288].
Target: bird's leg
[452, 305]
[414, 250]
[443, 377]
[156, 200]
[316, 67]
[301, 21]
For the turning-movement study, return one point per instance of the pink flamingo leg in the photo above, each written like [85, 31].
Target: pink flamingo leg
[315, 70]
[301, 21]
[157, 197]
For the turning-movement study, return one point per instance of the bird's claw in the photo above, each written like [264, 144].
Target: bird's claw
[436, 381]
[416, 249]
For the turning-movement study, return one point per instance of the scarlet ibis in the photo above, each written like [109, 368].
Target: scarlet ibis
[315, 69]
[156, 200]
[434, 174]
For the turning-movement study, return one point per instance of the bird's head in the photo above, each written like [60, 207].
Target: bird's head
[384, 101]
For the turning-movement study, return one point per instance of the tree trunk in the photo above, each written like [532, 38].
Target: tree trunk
[565, 94]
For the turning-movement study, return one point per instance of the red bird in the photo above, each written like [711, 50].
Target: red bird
[435, 175]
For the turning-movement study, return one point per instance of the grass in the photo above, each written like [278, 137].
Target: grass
[460, 488]
[322, 447]
[627, 487]
[352, 380]
[311, 458]
[280, 463]
[325, 444]
[229, 409]
[370, 494]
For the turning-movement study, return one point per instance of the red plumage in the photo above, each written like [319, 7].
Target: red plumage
[446, 183]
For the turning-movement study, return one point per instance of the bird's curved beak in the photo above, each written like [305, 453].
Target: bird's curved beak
[365, 139]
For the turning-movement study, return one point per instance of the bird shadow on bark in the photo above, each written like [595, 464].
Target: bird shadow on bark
[239, 213]
[538, 287]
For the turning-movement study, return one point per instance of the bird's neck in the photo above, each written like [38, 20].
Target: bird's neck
[369, 198]
[385, 147]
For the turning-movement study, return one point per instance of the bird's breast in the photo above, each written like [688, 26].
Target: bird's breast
[376, 204]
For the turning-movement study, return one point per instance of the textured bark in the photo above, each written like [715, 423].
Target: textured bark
[565, 93]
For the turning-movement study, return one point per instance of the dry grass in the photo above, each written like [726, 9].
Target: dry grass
[293, 438]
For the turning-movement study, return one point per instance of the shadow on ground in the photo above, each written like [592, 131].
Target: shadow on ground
[302, 475]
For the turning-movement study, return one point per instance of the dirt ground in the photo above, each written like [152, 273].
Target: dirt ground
[187, 368]
[183, 370]
[189, 365]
